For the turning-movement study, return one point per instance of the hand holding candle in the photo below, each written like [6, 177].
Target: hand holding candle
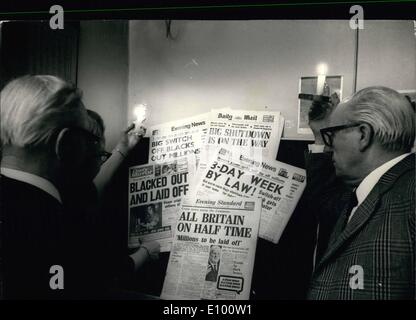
[135, 131]
[140, 112]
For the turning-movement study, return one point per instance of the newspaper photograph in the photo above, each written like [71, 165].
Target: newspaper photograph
[175, 139]
[250, 132]
[213, 250]
[155, 193]
[279, 185]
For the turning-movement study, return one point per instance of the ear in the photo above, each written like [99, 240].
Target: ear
[69, 147]
[60, 144]
[366, 136]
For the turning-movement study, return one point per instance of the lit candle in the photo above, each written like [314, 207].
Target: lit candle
[139, 112]
[322, 70]
[320, 84]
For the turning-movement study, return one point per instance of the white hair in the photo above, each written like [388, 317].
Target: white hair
[33, 108]
[390, 115]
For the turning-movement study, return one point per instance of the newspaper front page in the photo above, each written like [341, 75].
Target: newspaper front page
[179, 138]
[213, 250]
[155, 192]
[279, 185]
[250, 132]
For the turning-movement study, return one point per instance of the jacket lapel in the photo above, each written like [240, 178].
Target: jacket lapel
[367, 208]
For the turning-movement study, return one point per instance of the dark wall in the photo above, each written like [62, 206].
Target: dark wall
[103, 73]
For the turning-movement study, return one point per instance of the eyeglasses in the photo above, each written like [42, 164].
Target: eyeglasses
[104, 155]
[328, 133]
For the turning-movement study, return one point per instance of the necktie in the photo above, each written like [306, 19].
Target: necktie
[352, 202]
[330, 230]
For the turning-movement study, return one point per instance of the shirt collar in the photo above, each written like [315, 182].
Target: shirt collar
[371, 179]
[32, 179]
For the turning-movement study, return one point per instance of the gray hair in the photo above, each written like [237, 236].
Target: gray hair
[34, 107]
[390, 115]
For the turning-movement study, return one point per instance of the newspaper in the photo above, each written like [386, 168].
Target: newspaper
[250, 132]
[213, 251]
[178, 138]
[155, 192]
[279, 185]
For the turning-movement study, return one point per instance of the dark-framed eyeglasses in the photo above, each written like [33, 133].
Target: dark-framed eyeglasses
[328, 133]
[104, 155]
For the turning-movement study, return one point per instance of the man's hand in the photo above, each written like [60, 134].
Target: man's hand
[130, 138]
[317, 125]
[153, 249]
[335, 99]
[147, 250]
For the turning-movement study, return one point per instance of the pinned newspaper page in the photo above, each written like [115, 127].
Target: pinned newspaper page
[213, 250]
[278, 184]
[178, 138]
[155, 193]
[250, 132]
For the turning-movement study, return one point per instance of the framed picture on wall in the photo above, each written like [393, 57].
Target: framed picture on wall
[309, 85]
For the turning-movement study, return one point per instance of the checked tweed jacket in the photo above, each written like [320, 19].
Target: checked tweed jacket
[380, 236]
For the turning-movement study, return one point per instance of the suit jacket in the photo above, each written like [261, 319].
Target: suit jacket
[32, 237]
[212, 272]
[40, 232]
[380, 238]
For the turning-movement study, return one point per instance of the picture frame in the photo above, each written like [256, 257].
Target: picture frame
[308, 85]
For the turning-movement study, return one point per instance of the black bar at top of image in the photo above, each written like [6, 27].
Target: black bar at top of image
[213, 10]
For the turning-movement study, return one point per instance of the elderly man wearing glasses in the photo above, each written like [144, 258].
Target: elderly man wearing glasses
[363, 191]
[51, 248]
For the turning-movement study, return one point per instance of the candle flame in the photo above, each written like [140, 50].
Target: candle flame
[140, 113]
[322, 69]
